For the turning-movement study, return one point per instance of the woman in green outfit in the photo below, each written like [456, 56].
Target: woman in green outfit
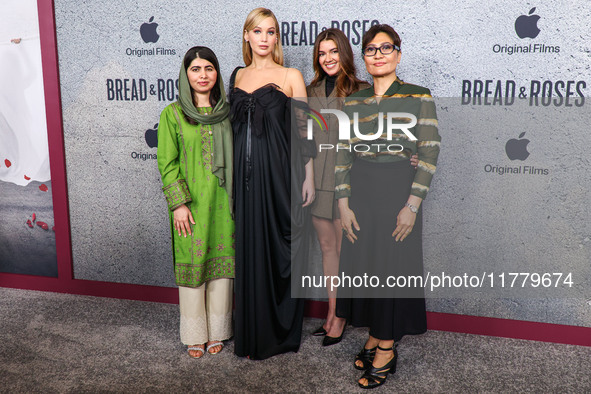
[195, 161]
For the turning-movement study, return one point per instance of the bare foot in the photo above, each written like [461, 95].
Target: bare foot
[216, 348]
[196, 351]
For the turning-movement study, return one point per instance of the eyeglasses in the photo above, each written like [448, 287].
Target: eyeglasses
[385, 49]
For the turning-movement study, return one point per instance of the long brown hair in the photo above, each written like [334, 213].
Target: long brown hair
[347, 81]
[252, 20]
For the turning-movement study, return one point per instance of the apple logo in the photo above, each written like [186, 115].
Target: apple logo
[152, 136]
[527, 25]
[517, 149]
[148, 31]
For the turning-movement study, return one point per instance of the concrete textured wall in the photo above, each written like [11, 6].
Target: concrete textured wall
[477, 221]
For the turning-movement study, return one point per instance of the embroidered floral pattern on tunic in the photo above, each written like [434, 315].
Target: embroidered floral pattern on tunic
[206, 133]
[191, 275]
[177, 194]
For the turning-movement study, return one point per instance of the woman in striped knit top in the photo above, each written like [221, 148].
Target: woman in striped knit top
[379, 198]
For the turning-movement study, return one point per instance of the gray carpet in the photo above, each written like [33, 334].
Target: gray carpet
[73, 344]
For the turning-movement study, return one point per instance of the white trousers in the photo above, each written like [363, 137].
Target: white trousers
[206, 312]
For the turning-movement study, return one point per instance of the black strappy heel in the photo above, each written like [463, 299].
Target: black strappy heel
[366, 356]
[377, 376]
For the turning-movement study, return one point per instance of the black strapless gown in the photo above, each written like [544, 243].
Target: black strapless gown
[267, 195]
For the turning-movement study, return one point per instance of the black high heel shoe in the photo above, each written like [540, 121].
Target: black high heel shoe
[329, 341]
[377, 376]
[320, 332]
[366, 357]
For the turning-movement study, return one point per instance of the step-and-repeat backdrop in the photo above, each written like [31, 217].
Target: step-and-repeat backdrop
[507, 225]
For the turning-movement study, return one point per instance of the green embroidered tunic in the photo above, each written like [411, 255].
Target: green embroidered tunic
[185, 160]
[400, 98]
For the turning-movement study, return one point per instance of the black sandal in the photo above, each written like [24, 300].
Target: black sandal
[366, 357]
[377, 376]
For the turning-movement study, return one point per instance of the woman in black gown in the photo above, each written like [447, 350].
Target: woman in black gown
[272, 186]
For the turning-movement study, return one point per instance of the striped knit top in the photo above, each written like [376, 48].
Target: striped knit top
[401, 98]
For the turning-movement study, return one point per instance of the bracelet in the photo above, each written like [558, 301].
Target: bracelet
[412, 208]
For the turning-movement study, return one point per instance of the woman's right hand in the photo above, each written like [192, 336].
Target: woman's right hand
[182, 216]
[348, 222]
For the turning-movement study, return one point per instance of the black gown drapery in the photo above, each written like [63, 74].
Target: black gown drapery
[267, 193]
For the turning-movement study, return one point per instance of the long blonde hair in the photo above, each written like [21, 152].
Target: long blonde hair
[252, 20]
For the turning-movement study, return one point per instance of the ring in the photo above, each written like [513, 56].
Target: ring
[408, 231]
[345, 230]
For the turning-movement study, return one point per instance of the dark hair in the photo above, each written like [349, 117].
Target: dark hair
[375, 29]
[347, 81]
[206, 54]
